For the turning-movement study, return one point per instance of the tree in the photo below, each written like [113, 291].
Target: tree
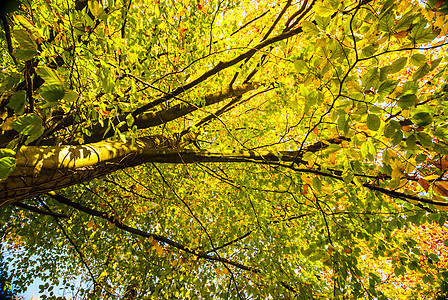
[227, 149]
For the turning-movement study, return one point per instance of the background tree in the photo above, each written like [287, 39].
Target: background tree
[226, 149]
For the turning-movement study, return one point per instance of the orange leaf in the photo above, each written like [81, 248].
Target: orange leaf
[442, 188]
[406, 128]
[441, 164]
[401, 34]
[423, 183]
[439, 4]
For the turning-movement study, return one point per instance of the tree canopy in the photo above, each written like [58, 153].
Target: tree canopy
[220, 149]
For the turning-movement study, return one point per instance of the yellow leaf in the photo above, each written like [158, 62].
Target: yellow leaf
[321, 43]
[397, 173]
[307, 179]
[431, 177]
[332, 158]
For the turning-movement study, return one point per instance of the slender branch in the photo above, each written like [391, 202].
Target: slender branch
[47, 212]
[216, 69]
[118, 223]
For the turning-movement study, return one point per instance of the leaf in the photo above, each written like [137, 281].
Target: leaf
[317, 184]
[25, 40]
[29, 124]
[7, 162]
[129, 120]
[70, 96]
[425, 139]
[50, 76]
[441, 188]
[424, 184]
[343, 124]
[421, 72]
[407, 101]
[442, 133]
[422, 118]
[310, 28]
[17, 102]
[52, 93]
[94, 7]
[418, 59]
[387, 87]
[25, 54]
[421, 34]
[436, 62]
[301, 66]
[373, 122]
[411, 142]
[324, 9]
[398, 64]
[371, 78]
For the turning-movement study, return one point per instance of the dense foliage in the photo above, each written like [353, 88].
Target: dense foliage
[225, 149]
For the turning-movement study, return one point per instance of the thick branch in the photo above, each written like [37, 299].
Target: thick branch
[216, 69]
[151, 119]
[47, 168]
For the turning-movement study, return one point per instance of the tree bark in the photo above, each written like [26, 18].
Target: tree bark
[41, 169]
[47, 168]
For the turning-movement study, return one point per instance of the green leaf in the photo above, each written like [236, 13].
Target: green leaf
[25, 40]
[310, 28]
[70, 96]
[17, 102]
[343, 123]
[49, 75]
[421, 72]
[29, 124]
[324, 9]
[418, 59]
[301, 66]
[317, 184]
[422, 118]
[425, 139]
[411, 142]
[387, 20]
[7, 165]
[25, 54]
[420, 33]
[436, 62]
[391, 128]
[368, 51]
[11, 81]
[397, 65]
[373, 122]
[129, 120]
[52, 93]
[7, 162]
[371, 78]
[387, 87]
[407, 101]
[442, 133]
[322, 22]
